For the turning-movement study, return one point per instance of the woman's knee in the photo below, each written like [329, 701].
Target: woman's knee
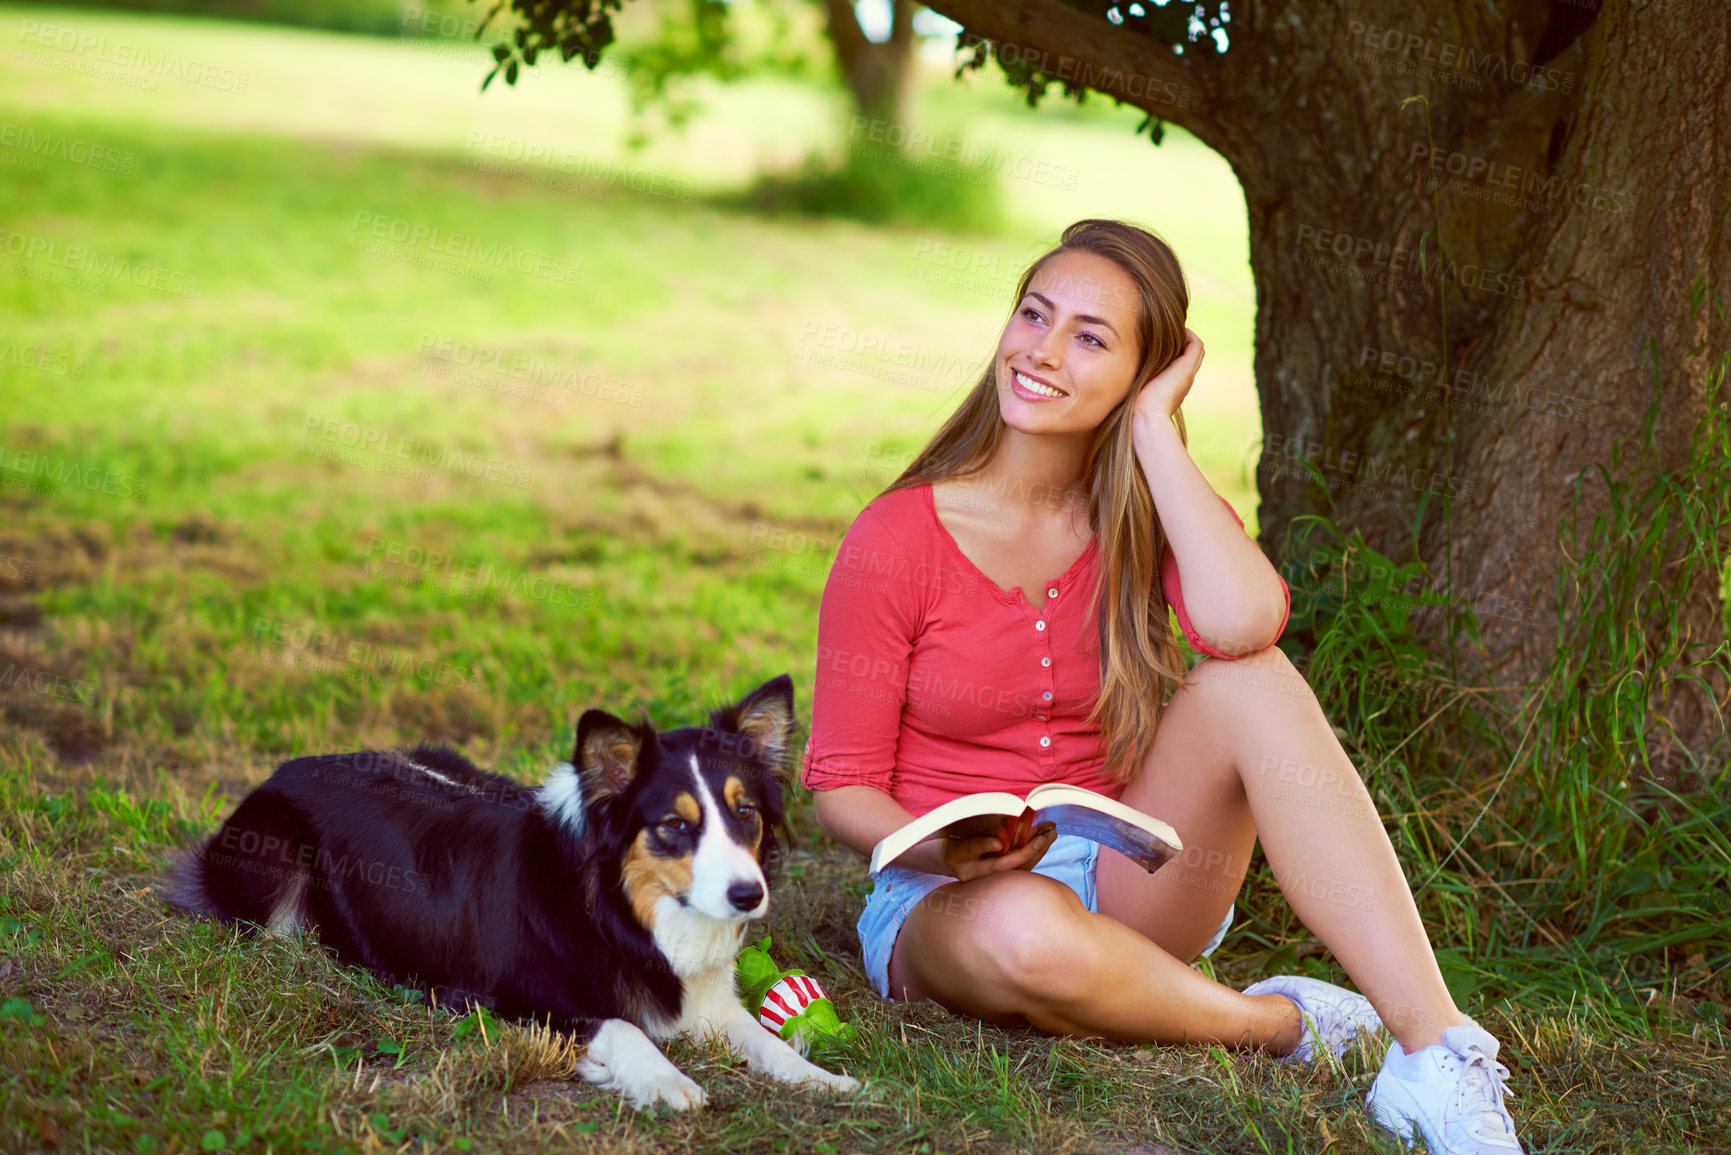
[1270, 660]
[1032, 935]
[1248, 681]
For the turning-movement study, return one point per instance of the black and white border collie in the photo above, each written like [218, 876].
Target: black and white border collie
[611, 901]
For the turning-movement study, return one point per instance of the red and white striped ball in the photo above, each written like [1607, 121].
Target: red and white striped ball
[787, 998]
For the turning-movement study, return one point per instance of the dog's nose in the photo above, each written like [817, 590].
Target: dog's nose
[745, 895]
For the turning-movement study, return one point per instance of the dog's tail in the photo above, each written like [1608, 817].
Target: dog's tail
[184, 886]
[254, 869]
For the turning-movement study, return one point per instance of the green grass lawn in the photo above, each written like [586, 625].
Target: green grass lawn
[272, 482]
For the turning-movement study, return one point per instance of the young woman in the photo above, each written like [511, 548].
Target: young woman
[997, 618]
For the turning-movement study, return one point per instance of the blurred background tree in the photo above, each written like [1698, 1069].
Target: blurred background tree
[869, 48]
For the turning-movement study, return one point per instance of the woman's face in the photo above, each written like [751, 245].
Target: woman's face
[1069, 353]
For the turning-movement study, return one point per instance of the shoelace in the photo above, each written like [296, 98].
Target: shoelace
[1480, 1091]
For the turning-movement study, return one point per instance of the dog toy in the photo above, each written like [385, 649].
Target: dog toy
[789, 1003]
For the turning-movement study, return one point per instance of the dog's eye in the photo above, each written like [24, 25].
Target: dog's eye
[673, 824]
[745, 810]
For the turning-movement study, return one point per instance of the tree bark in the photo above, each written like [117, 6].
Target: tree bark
[1572, 161]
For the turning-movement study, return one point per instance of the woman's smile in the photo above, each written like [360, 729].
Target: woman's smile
[1031, 388]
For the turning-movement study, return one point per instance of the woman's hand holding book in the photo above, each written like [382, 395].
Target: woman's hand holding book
[1016, 845]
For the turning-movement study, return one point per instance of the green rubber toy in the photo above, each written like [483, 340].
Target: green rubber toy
[791, 1003]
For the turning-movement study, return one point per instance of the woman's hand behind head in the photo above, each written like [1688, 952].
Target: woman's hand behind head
[1166, 390]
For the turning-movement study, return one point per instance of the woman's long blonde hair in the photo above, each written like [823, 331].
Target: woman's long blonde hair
[1140, 661]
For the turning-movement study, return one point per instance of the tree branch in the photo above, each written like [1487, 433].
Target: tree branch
[1068, 44]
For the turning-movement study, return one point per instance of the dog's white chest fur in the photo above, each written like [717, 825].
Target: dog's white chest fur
[708, 1007]
[695, 944]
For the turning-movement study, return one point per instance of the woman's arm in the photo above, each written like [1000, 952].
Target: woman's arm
[1234, 597]
[859, 817]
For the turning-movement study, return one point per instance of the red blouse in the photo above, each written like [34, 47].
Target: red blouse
[933, 682]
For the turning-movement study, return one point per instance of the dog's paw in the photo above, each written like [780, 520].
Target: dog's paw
[621, 1058]
[841, 1084]
[812, 1078]
[773, 1057]
[644, 1087]
[677, 1090]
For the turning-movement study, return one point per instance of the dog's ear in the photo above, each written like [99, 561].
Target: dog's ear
[609, 752]
[764, 721]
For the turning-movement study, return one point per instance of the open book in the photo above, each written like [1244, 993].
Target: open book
[1071, 809]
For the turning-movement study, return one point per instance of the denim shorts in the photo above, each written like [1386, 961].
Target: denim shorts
[1071, 860]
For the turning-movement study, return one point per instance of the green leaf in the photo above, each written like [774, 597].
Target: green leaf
[213, 1140]
[1461, 974]
[22, 1011]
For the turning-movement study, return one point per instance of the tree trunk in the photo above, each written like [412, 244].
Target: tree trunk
[876, 73]
[1583, 162]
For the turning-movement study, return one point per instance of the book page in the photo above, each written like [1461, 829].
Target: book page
[933, 822]
[1063, 794]
[1130, 839]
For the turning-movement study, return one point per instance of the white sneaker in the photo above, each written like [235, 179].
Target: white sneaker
[1333, 1015]
[1451, 1093]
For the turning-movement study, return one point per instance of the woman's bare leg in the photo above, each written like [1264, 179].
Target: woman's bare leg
[1244, 750]
[1019, 947]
